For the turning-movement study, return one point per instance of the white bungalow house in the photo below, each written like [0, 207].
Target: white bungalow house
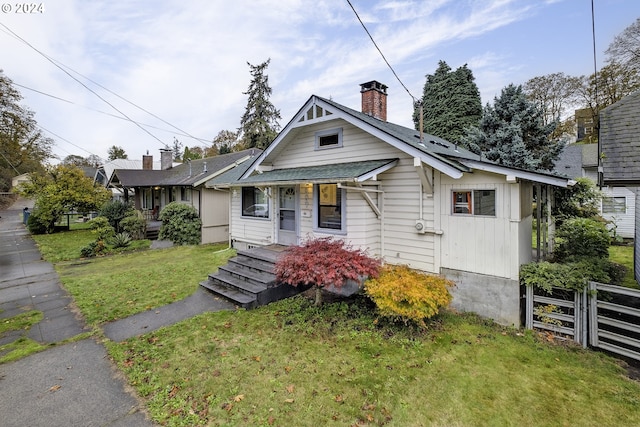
[335, 171]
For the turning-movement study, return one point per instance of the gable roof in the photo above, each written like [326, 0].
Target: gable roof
[436, 152]
[620, 141]
[192, 173]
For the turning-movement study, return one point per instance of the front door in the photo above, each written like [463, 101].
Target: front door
[287, 216]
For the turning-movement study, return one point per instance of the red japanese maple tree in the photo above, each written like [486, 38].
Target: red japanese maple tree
[324, 262]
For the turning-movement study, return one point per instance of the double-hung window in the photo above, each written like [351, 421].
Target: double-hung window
[329, 207]
[474, 202]
[255, 203]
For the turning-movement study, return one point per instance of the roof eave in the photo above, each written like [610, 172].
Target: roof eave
[517, 173]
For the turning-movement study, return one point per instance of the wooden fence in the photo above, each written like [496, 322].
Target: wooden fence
[602, 316]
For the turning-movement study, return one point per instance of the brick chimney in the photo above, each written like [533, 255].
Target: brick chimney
[374, 99]
[166, 158]
[147, 162]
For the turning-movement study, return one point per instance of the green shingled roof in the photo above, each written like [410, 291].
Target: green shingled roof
[331, 173]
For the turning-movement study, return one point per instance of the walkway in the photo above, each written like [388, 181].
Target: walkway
[73, 384]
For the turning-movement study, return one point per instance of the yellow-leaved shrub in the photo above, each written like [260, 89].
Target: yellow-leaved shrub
[409, 295]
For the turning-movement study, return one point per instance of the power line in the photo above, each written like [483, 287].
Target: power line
[129, 102]
[83, 85]
[203, 140]
[380, 51]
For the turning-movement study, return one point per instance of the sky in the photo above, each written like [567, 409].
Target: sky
[186, 62]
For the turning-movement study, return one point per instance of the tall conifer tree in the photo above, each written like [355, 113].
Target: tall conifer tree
[512, 133]
[451, 103]
[259, 123]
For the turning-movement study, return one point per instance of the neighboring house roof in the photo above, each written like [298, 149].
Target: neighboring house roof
[192, 173]
[620, 141]
[570, 161]
[105, 170]
[590, 155]
[436, 152]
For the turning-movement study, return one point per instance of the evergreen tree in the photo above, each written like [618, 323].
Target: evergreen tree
[259, 123]
[512, 133]
[177, 150]
[451, 103]
[116, 152]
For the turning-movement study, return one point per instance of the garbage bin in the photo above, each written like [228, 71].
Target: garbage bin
[25, 215]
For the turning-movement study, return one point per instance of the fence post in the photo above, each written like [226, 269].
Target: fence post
[529, 304]
[585, 324]
[593, 314]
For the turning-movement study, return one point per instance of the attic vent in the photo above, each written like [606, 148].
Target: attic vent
[441, 144]
[315, 112]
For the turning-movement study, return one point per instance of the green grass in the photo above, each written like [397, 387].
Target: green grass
[292, 364]
[66, 245]
[23, 346]
[117, 286]
[624, 255]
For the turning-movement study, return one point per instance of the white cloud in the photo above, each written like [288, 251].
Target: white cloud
[187, 61]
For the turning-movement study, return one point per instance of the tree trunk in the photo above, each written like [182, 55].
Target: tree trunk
[318, 301]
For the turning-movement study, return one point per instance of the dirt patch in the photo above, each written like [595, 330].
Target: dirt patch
[6, 200]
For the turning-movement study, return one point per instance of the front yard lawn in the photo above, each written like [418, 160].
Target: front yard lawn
[292, 364]
[117, 286]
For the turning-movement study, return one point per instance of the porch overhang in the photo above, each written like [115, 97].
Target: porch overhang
[356, 172]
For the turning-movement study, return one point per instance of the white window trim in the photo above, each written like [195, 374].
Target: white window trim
[472, 191]
[255, 217]
[328, 132]
[343, 213]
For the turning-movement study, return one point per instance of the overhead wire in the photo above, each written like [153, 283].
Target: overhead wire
[180, 133]
[413, 98]
[380, 51]
[83, 85]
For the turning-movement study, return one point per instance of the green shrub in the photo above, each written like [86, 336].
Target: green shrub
[409, 295]
[571, 275]
[180, 224]
[102, 228]
[582, 237]
[94, 248]
[115, 211]
[120, 240]
[134, 224]
[36, 224]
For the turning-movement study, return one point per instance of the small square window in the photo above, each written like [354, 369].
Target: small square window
[614, 205]
[477, 202]
[331, 138]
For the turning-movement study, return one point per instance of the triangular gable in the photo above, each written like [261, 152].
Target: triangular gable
[309, 113]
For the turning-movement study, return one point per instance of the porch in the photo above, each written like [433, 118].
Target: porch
[248, 281]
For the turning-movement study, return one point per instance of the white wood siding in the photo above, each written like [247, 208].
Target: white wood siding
[479, 244]
[357, 146]
[402, 243]
[625, 222]
[257, 231]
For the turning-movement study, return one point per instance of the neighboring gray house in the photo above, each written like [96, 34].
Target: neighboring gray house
[151, 190]
[427, 203]
[620, 147]
[618, 203]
